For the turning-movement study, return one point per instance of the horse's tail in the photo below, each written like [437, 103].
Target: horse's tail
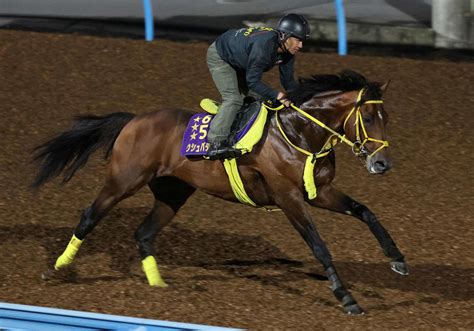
[70, 150]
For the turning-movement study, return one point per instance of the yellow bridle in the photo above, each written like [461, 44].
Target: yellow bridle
[357, 146]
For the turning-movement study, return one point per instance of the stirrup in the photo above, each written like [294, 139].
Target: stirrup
[223, 152]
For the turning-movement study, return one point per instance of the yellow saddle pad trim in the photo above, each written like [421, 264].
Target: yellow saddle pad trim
[210, 106]
[232, 171]
[253, 136]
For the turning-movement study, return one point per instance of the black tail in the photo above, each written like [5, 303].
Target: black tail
[70, 150]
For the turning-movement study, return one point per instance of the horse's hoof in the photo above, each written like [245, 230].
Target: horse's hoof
[161, 284]
[399, 267]
[353, 309]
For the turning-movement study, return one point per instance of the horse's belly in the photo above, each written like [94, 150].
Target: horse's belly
[211, 177]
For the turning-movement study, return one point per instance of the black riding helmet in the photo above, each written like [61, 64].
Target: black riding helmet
[293, 25]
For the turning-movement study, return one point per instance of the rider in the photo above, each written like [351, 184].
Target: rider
[237, 60]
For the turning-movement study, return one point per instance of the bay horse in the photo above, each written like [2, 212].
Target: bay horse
[145, 150]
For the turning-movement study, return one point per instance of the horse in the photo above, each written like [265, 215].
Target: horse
[145, 150]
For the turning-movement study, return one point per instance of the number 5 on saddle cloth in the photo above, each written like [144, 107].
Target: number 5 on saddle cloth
[246, 130]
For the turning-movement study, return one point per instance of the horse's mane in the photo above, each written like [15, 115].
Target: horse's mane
[346, 80]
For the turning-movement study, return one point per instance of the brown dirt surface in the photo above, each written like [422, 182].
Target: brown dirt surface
[228, 264]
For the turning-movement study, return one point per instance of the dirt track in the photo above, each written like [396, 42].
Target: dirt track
[230, 265]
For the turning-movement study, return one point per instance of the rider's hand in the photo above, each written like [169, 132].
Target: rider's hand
[283, 99]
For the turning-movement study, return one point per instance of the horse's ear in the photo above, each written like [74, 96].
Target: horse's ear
[384, 86]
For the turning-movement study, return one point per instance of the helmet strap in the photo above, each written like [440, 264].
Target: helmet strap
[282, 38]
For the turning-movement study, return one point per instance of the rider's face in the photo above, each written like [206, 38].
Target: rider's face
[293, 45]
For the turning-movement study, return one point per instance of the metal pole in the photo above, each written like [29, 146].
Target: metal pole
[341, 27]
[149, 25]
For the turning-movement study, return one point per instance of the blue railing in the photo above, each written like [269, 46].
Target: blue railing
[341, 27]
[340, 14]
[22, 317]
[149, 22]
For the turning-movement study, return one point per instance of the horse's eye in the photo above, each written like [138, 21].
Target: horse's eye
[367, 120]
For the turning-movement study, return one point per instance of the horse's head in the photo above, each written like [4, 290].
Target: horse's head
[359, 117]
[365, 126]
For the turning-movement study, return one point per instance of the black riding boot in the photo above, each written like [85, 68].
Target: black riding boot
[222, 150]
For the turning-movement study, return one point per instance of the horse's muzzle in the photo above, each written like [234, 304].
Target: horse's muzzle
[378, 165]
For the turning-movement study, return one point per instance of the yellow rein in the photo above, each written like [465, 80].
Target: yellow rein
[357, 147]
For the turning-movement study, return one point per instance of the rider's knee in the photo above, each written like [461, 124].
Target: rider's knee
[233, 101]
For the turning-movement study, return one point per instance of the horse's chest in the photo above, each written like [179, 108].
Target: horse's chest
[324, 172]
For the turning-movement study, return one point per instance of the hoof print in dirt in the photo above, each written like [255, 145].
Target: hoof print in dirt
[47, 274]
[67, 275]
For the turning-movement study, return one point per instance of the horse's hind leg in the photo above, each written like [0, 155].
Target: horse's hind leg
[332, 199]
[170, 194]
[120, 184]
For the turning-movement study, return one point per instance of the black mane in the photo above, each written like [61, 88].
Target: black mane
[347, 80]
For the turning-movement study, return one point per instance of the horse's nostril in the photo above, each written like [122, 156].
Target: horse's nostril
[380, 166]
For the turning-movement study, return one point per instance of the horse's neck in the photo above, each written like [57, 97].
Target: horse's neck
[330, 109]
[303, 132]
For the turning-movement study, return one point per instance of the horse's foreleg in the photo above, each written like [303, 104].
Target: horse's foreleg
[170, 194]
[332, 199]
[295, 209]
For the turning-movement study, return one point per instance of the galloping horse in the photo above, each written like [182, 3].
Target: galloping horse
[145, 149]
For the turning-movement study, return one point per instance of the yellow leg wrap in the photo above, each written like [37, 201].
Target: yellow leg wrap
[151, 271]
[67, 257]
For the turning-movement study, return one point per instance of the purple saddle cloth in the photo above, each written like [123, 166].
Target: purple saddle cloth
[195, 136]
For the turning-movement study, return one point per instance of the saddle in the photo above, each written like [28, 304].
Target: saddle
[246, 130]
